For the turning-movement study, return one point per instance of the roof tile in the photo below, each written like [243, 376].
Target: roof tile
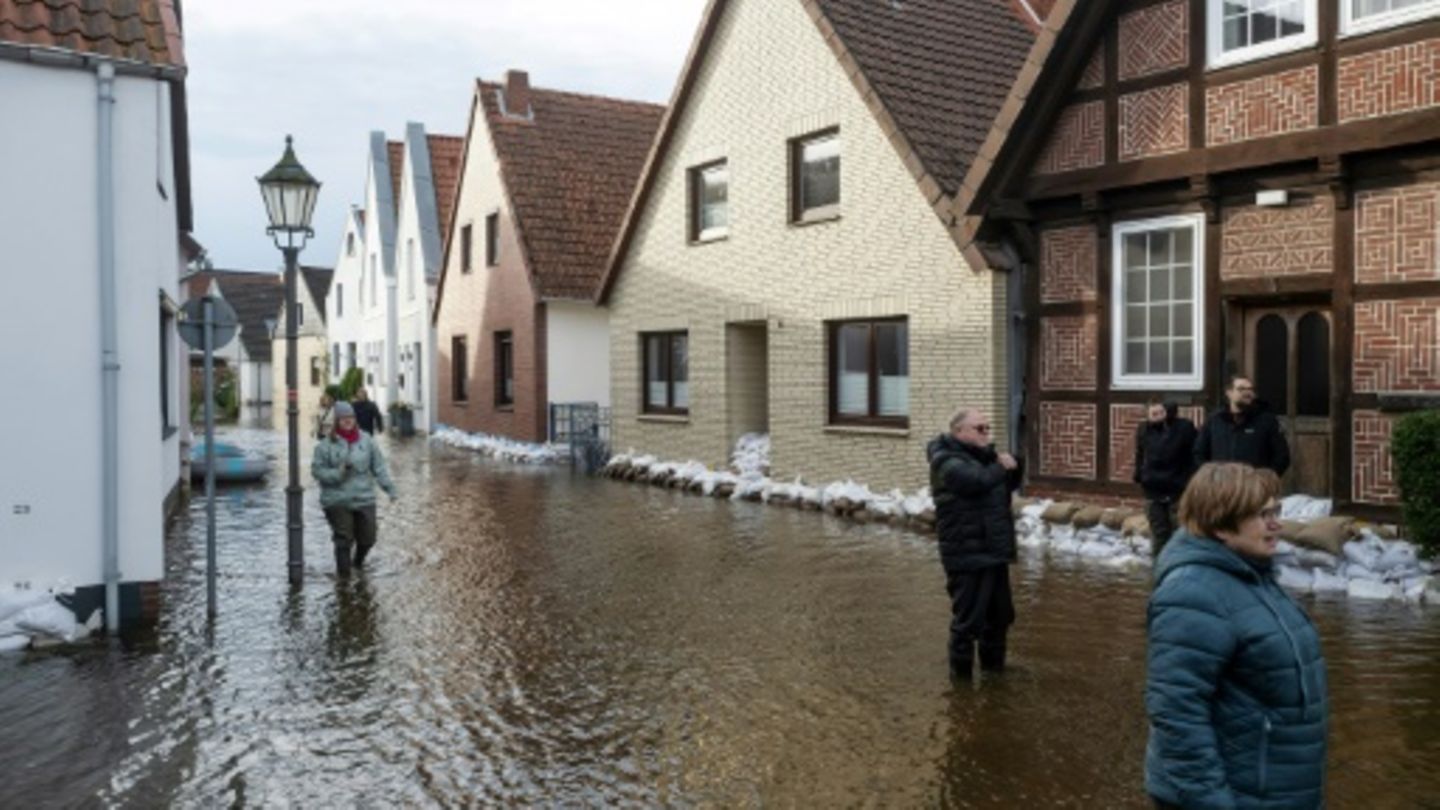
[141, 30]
[445, 154]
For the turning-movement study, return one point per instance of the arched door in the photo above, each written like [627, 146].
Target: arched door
[1288, 356]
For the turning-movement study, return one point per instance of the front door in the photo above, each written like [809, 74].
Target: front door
[1287, 354]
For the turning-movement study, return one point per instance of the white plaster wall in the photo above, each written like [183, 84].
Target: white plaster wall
[577, 344]
[345, 287]
[50, 316]
[415, 295]
[375, 310]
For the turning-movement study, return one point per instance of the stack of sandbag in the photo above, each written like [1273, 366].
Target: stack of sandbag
[35, 616]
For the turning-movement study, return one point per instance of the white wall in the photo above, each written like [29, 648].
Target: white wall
[577, 345]
[375, 309]
[50, 311]
[344, 297]
[417, 268]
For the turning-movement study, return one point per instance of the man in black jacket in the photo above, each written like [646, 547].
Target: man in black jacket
[367, 413]
[971, 484]
[1164, 462]
[1244, 431]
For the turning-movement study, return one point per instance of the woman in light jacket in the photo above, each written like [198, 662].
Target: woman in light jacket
[348, 464]
[1235, 687]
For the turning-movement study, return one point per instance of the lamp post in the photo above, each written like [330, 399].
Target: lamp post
[289, 193]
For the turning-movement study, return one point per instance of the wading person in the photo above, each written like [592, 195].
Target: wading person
[348, 464]
[1164, 461]
[1235, 686]
[971, 483]
[325, 420]
[1244, 430]
[367, 413]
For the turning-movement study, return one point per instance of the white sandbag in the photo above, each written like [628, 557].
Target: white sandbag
[1304, 507]
[1126, 561]
[1365, 552]
[1097, 549]
[1284, 548]
[1372, 589]
[1397, 554]
[52, 619]
[14, 643]
[1414, 589]
[1035, 510]
[1358, 571]
[15, 600]
[1326, 582]
[1295, 579]
[1315, 558]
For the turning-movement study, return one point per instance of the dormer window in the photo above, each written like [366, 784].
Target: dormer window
[1245, 30]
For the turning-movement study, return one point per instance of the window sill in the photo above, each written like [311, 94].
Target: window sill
[510, 408]
[460, 403]
[706, 240]
[869, 430]
[1259, 53]
[817, 217]
[664, 418]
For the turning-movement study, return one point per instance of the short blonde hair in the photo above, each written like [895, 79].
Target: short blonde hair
[1221, 496]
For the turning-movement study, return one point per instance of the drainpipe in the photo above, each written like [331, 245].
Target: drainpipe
[109, 348]
[392, 337]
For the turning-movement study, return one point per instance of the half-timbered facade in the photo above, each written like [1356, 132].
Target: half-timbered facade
[1196, 188]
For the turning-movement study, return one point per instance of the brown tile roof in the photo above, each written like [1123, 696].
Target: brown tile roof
[139, 30]
[317, 280]
[254, 296]
[395, 154]
[570, 173]
[445, 153]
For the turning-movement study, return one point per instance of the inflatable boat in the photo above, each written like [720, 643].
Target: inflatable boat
[232, 465]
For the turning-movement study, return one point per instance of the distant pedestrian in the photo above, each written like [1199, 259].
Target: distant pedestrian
[1244, 430]
[971, 483]
[348, 464]
[1164, 461]
[367, 413]
[1235, 684]
[325, 420]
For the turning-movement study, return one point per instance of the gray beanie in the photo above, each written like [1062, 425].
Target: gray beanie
[344, 409]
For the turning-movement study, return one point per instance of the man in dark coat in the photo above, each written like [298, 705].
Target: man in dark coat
[1244, 431]
[367, 413]
[1164, 462]
[971, 484]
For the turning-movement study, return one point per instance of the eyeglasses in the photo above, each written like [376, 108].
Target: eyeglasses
[1270, 513]
[980, 428]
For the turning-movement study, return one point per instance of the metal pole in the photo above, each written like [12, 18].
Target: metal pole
[209, 331]
[293, 492]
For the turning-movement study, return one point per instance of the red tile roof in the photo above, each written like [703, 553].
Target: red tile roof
[139, 30]
[395, 154]
[445, 153]
[570, 173]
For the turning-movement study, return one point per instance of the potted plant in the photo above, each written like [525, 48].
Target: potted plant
[402, 416]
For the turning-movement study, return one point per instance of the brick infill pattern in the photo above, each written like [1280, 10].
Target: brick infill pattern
[1155, 122]
[1067, 440]
[1154, 39]
[1094, 74]
[1396, 234]
[1374, 474]
[1078, 140]
[1262, 107]
[1395, 80]
[1397, 346]
[1125, 420]
[1067, 264]
[1068, 347]
[1266, 242]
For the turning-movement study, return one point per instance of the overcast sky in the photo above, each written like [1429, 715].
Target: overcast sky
[330, 71]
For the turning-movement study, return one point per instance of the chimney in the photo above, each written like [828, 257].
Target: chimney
[517, 94]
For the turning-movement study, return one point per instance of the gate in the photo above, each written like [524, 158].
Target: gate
[584, 428]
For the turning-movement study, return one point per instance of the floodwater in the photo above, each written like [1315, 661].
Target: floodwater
[531, 637]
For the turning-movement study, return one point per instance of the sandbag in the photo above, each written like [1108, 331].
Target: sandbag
[1326, 582]
[13, 601]
[1296, 579]
[1397, 554]
[1018, 504]
[1060, 512]
[1326, 534]
[50, 618]
[1087, 516]
[14, 643]
[1114, 519]
[1136, 524]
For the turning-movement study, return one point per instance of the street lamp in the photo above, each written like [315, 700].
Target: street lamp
[289, 193]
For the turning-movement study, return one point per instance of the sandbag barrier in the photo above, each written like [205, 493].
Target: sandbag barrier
[36, 617]
[501, 447]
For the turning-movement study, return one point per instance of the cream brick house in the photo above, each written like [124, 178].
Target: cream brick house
[745, 297]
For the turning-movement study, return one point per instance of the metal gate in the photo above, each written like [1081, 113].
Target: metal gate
[584, 428]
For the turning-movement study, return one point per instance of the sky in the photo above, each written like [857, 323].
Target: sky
[331, 71]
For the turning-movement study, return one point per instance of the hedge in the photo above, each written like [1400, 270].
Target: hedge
[1415, 447]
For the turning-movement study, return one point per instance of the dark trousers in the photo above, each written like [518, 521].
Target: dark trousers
[981, 611]
[1160, 512]
[351, 528]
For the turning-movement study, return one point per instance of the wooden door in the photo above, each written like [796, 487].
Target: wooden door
[1288, 356]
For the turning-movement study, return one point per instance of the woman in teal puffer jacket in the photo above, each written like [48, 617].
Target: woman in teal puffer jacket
[348, 465]
[1236, 687]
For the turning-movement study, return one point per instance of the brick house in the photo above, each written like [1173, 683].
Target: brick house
[1192, 189]
[544, 180]
[789, 265]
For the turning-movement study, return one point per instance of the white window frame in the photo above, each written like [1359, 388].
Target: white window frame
[1351, 26]
[1215, 31]
[697, 193]
[1120, 380]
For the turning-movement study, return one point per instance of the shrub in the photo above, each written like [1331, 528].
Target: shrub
[1415, 446]
[353, 381]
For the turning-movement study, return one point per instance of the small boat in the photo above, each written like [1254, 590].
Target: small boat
[232, 464]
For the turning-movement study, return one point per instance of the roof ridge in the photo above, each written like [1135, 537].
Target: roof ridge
[573, 94]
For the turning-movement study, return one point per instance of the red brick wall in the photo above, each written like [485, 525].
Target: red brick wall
[1093, 75]
[1374, 476]
[1125, 419]
[1267, 242]
[1155, 122]
[1394, 80]
[1068, 346]
[1067, 440]
[1396, 234]
[1397, 346]
[1060, 493]
[1154, 39]
[1067, 264]
[1077, 140]
[477, 305]
[1262, 107]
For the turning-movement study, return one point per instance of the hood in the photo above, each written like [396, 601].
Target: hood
[947, 445]
[1187, 549]
[1172, 410]
[1258, 407]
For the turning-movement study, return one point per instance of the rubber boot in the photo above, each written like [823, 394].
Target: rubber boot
[360, 553]
[992, 657]
[962, 661]
[342, 559]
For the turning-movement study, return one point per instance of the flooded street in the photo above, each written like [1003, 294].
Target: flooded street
[528, 636]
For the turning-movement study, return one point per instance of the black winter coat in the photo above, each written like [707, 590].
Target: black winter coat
[1165, 454]
[1255, 439]
[367, 416]
[972, 503]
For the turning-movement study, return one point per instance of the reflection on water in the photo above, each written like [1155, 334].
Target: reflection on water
[527, 636]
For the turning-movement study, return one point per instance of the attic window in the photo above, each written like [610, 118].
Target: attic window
[815, 176]
[1359, 16]
[1245, 30]
[710, 201]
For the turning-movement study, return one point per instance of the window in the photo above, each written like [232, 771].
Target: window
[492, 239]
[504, 369]
[465, 237]
[350, 355]
[339, 300]
[1241, 30]
[410, 269]
[870, 372]
[815, 176]
[317, 364]
[459, 370]
[167, 349]
[374, 272]
[419, 380]
[666, 357]
[349, 244]
[1158, 295]
[335, 357]
[299, 313]
[709, 201]
[1359, 16]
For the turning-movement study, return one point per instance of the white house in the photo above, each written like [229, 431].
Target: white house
[94, 221]
[312, 350]
[342, 305]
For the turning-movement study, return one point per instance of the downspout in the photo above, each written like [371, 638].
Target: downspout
[392, 337]
[109, 348]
